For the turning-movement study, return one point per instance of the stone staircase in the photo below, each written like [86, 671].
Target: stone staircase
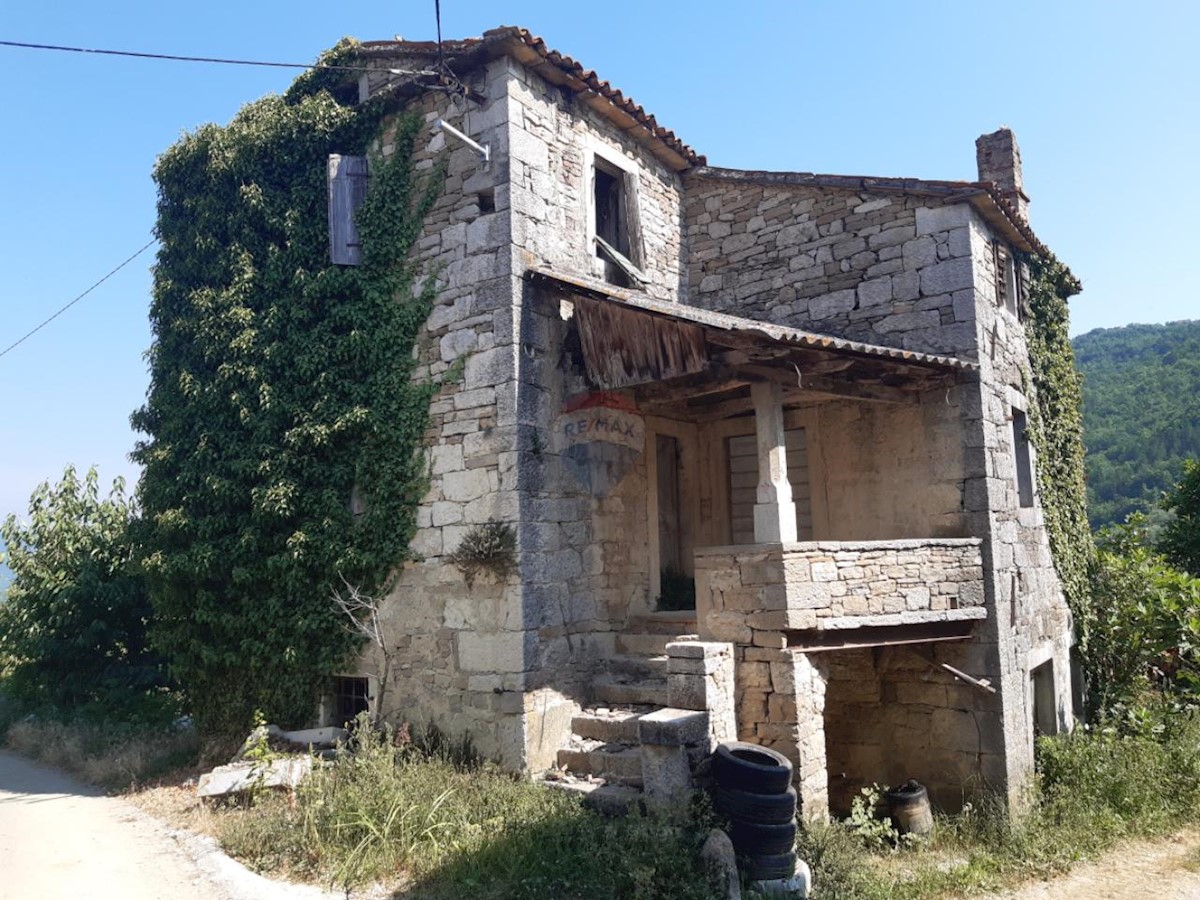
[603, 757]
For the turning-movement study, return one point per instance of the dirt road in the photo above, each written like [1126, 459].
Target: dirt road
[59, 838]
[1165, 869]
[62, 840]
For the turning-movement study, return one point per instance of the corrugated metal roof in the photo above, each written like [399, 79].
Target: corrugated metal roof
[724, 322]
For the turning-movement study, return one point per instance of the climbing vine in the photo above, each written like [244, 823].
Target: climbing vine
[281, 385]
[1056, 429]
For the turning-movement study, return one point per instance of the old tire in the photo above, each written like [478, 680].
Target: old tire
[756, 839]
[770, 867]
[757, 809]
[749, 767]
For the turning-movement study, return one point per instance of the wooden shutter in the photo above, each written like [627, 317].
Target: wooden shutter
[347, 189]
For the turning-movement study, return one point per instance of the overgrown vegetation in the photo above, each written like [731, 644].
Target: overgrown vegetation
[280, 386]
[1141, 394]
[452, 830]
[488, 547]
[1180, 540]
[1056, 429]
[1145, 636]
[1096, 788]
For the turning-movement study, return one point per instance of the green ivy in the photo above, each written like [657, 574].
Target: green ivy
[1056, 429]
[280, 385]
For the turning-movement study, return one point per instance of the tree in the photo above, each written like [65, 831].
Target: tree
[73, 627]
[1180, 541]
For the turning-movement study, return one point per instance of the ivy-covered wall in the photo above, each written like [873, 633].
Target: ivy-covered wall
[1056, 429]
[281, 385]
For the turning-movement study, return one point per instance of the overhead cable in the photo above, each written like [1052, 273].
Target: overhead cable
[34, 331]
[207, 59]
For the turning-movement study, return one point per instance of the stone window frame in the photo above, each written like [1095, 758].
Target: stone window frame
[598, 155]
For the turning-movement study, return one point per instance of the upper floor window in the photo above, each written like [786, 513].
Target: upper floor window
[614, 222]
[1008, 284]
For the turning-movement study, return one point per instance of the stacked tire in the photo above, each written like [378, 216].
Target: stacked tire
[754, 791]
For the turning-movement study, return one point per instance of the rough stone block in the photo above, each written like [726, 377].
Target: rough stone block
[673, 727]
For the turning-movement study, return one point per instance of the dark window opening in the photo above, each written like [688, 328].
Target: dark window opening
[1022, 458]
[1045, 709]
[486, 201]
[350, 697]
[610, 203]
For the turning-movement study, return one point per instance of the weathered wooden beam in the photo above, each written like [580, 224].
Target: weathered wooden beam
[838, 387]
[880, 636]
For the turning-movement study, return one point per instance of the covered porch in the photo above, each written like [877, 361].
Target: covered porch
[814, 491]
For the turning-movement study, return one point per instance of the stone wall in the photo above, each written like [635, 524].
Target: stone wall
[459, 652]
[1032, 624]
[885, 268]
[883, 471]
[893, 714]
[745, 594]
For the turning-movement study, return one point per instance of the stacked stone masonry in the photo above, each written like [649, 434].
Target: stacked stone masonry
[916, 514]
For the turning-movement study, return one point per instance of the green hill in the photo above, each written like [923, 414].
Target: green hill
[1141, 412]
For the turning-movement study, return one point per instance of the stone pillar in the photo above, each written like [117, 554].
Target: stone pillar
[796, 714]
[774, 511]
[700, 677]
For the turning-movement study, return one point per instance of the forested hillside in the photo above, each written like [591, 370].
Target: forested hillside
[1141, 411]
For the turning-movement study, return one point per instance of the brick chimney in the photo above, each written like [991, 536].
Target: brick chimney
[999, 161]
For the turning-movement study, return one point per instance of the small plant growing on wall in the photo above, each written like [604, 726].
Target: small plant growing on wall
[490, 547]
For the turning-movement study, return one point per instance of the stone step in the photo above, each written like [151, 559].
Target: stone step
[641, 644]
[638, 668]
[605, 724]
[673, 623]
[619, 693]
[615, 763]
[606, 799]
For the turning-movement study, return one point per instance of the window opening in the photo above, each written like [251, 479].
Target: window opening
[486, 201]
[350, 697]
[1022, 458]
[1006, 279]
[1045, 712]
[616, 234]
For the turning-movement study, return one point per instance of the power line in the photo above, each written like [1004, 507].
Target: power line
[26, 337]
[208, 59]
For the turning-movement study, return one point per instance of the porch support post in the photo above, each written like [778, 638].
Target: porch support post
[774, 513]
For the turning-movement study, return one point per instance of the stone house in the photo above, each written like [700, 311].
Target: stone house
[808, 393]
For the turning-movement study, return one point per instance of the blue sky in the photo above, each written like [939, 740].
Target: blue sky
[1103, 98]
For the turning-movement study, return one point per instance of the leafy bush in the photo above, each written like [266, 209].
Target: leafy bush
[1146, 631]
[73, 629]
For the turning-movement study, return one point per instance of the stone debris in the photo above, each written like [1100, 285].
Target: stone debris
[244, 777]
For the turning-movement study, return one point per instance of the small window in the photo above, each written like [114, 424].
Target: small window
[1022, 458]
[351, 696]
[1007, 287]
[1045, 706]
[615, 224]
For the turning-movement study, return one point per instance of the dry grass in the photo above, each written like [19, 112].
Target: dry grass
[109, 759]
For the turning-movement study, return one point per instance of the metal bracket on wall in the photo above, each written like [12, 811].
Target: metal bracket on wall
[484, 150]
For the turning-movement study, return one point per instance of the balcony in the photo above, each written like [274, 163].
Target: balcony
[821, 593]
